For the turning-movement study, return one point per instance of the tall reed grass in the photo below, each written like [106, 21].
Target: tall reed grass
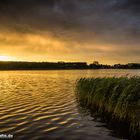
[119, 97]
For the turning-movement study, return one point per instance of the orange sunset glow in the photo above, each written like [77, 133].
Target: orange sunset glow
[7, 58]
[51, 32]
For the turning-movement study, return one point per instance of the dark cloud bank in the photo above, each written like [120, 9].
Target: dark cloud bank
[100, 17]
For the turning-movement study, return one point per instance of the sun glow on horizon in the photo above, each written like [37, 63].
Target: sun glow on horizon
[6, 58]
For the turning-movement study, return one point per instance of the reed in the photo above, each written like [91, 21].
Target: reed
[119, 97]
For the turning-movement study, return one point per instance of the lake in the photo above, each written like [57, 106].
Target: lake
[42, 105]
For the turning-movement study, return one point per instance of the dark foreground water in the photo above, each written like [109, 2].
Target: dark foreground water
[41, 105]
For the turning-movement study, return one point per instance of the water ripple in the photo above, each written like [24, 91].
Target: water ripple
[42, 105]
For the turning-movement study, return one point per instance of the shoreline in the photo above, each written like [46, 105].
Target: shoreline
[115, 99]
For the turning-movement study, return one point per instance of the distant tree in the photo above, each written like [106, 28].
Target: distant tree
[95, 62]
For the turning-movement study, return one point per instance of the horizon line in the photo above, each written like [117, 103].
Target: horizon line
[26, 61]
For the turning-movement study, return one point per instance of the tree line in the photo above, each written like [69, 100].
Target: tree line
[63, 65]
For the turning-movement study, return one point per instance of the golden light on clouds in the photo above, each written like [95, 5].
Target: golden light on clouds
[33, 47]
[47, 47]
[51, 30]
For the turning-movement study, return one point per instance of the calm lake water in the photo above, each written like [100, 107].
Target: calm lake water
[39, 105]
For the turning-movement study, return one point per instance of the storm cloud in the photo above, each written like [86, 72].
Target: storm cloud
[85, 23]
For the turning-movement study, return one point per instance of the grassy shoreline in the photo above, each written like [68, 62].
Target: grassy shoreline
[118, 98]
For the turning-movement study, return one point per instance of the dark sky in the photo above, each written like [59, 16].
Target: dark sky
[71, 30]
